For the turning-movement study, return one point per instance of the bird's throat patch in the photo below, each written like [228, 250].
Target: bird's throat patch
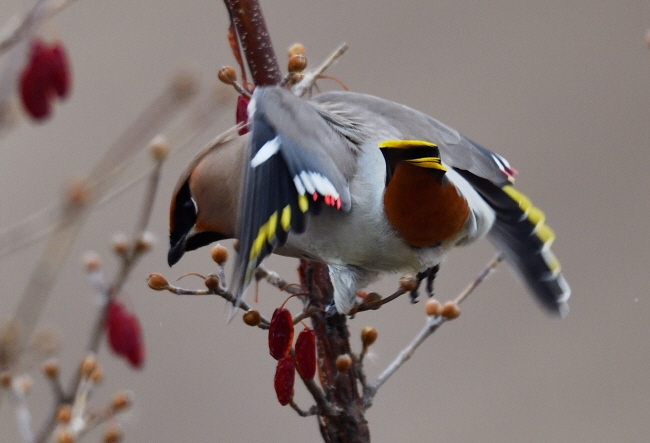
[422, 208]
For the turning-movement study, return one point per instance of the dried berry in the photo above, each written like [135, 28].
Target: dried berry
[46, 75]
[241, 114]
[285, 377]
[450, 310]
[343, 362]
[280, 333]
[306, 353]
[252, 317]
[432, 307]
[368, 336]
[124, 333]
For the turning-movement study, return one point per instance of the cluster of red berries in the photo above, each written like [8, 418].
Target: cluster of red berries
[45, 77]
[304, 356]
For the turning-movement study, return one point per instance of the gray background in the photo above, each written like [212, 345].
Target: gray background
[561, 89]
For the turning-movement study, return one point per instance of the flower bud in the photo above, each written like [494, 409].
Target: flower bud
[212, 282]
[159, 148]
[146, 242]
[157, 282]
[88, 366]
[113, 434]
[343, 362]
[51, 368]
[121, 401]
[408, 282]
[91, 261]
[227, 75]
[65, 436]
[64, 414]
[219, 254]
[368, 336]
[450, 310]
[252, 317]
[296, 49]
[297, 63]
[432, 307]
[120, 244]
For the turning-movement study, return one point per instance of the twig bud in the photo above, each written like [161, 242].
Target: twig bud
[159, 148]
[368, 336]
[296, 49]
[120, 244]
[23, 384]
[113, 434]
[219, 254]
[343, 362]
[51, 368]
[78, 193]
[146, 242]
[297, 63]
[157, 282]
[408, 282]
[212, 282]
[5, 379]
[227, 75]
[64, 414]
[97, 376]
[432, 307]
[91, 261]
[450, 310]
[252, 317]
[88, 366]
[65, 436]
[121, 401]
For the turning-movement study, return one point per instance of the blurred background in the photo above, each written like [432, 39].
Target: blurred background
[561, 89]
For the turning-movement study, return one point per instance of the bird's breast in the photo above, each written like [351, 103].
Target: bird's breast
[424, 210]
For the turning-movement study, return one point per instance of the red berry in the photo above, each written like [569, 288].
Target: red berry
[45, 76]
[285, 377]
[306, 353]
[280, 333]
[241, 114]
[59, 70]
[124, 333]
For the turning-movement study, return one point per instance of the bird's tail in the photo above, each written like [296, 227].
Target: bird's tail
[520, 232]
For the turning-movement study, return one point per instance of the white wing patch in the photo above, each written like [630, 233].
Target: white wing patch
[269, 149]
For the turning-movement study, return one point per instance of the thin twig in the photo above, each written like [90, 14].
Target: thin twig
[431, 325]
[310, 77]
[308, 413]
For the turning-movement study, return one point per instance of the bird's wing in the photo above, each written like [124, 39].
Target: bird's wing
[296, 163]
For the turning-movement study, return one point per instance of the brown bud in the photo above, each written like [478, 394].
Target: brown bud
[450, 310]
[372, 298]
[23, 384]
[91, 261]
[343, 362]
[121, 400]
[97, 376]
[88, 366]
[368, 336]
[184, 84]
[65, 436]
[51, 368]
[157, 282]
[64, 414]
[145, 243]
[159, 148]
[219, 254]
[120, 244]
[297, 63]
[5, 379]
[78, 192]
[227, 75]
[252, 317]
[296, 49]
[212, 282]
[113, 434]
[408, 282]
[432, 307]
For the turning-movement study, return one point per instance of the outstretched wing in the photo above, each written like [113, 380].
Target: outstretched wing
[296, 163]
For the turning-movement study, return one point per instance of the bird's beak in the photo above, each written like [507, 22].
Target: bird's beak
[176, 251]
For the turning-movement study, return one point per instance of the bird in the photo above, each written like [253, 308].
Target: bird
[366, 185]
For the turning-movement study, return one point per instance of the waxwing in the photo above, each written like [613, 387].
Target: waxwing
[363, 184]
